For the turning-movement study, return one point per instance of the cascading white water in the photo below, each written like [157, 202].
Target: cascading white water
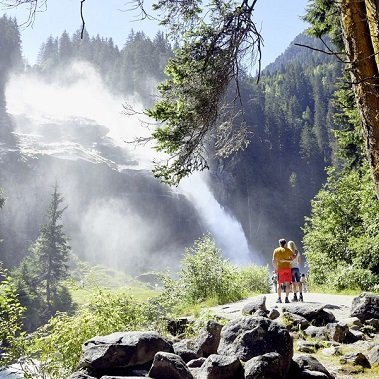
[88, 98]
[225, 229]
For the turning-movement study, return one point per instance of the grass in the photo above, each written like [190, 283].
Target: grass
[333, 363]
[87, 279]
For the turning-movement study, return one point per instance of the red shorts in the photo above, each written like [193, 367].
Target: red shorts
[284, 275]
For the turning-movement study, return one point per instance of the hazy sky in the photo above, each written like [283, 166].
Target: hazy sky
[279, 21]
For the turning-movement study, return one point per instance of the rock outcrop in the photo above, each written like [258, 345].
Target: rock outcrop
[248, 347]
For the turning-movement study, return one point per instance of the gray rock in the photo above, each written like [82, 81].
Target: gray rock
[255, 304]
[337, 331]
[122, 350]
[357, 359]
[221, 367]
[208, 340]
[314, 313]
[265, 366]
[373, 356]
[196, 362]
[358, 335]
[352, 322]
[273, 314]
[186, 354]
[365, 306]
[294, 322]
[248, 337]
[168, 365]
[303, 363]
[307, 346]
[318, 332]
[331, 351]
[186, 350]
[260, 313]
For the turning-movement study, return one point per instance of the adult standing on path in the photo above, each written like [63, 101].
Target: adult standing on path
[281, 260]
[295, 272]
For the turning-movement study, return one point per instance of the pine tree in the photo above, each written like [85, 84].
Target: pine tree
[52, 251]
[39, 276]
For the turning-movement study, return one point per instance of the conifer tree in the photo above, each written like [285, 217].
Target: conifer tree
[40, 275]
[51, 251]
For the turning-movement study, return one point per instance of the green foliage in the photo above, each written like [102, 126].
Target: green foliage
[194, 104]
[40, 275]
[323, 15]
[254, 279]
[58, 344]
[205, 275]
[11, 313]
[341, 235]
[121, 69]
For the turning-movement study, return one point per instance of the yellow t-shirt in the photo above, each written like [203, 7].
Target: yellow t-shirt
[282, 253]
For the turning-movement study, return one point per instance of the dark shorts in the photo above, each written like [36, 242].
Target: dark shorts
[295, 275]
[284, 275]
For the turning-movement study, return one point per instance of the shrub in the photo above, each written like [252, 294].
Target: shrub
[255, 279]
[205, 274]
[354, 278]
[11, 313]
[59, 342]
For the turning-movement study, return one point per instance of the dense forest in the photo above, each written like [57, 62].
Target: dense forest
[303, 176]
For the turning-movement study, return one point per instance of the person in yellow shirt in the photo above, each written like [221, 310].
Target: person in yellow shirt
[281, 260]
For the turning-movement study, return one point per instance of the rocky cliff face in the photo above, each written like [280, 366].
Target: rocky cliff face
[117, 214]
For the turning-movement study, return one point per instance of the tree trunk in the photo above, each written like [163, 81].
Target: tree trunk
[359, 20]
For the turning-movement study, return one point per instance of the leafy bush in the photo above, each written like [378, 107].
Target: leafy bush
[354, 278]
[11, 313]
[341, 237]
[59, 342]
[254, 279]
[205, 274]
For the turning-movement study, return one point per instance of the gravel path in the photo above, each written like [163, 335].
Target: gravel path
[339, 305]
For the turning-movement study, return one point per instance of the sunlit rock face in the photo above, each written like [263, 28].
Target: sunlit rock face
[118, 214]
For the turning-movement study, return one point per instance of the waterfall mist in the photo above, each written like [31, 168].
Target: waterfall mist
[126, 227]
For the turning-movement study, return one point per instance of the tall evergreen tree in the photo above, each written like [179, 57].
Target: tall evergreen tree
[51, 250]
[40, 275]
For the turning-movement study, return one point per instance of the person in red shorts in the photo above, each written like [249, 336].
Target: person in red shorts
[281, 260]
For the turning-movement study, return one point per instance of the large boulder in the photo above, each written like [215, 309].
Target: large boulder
[221, 367]
[265, 366]
[294, 322]
[307, 366]
[314, 313]
[255, 304]
[365, 306]
[338, 332]
[121, 352]
[355, 358]
[373, 356]
[186, 350]
[168, 365]
[249, 337]
[208, 340]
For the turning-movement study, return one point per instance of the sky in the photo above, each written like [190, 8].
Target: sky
[279, 21]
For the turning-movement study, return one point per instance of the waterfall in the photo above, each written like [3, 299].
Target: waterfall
[87, 98]
[223, 226]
